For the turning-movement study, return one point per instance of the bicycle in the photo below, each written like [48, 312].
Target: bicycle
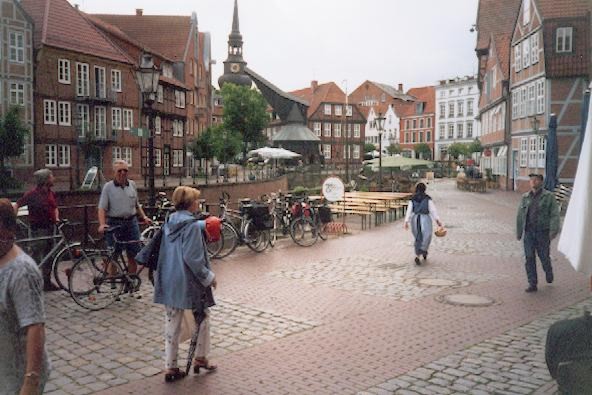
[96, 283]
[246, 233]
[293, 216]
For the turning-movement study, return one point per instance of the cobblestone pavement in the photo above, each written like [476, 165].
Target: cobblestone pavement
[350, 315]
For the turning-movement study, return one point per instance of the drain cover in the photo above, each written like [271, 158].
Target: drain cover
[437, 282]
[466, 300]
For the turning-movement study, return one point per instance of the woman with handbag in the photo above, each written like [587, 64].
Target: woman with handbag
[420, 213]
[184, 281]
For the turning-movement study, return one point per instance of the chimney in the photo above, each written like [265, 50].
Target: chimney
[400, 87]
[76, 6]
[314, 85]
[139, 11]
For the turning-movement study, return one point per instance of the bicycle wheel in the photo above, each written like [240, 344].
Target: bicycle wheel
[229, 237]
[63, 262]
[92, 286]
[274, 233]
[214, 247]
[256, 240]
[303, 232]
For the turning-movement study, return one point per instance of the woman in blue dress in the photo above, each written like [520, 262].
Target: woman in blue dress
[420, 214]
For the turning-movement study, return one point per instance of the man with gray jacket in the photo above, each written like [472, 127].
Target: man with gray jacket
[538, 222]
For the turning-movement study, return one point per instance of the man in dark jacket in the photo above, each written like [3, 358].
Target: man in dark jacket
[538, 222]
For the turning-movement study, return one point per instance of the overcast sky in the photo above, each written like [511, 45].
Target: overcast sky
[290, 43]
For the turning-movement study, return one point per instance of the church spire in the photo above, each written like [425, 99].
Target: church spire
[234, 65]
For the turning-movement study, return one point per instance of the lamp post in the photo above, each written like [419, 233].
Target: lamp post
[534, 121]
[78, 128]
[380, 127]
[147, 77]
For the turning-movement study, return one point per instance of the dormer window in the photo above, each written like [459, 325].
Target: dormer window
[525, 12]
[564, 39]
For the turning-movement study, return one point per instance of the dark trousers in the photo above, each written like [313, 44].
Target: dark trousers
[537, 243]
[41, 248]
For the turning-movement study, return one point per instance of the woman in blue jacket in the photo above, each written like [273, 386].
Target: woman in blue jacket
[184, 281]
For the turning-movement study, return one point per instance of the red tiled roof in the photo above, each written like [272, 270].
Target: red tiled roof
[156, 31]
[426, 94]
[324, 93]
[58, 24]
[495, 17]
[563, 8]
[502, 44]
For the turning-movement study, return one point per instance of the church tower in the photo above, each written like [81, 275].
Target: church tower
[234, 65]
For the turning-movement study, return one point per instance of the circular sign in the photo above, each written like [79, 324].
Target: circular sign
[333, 189]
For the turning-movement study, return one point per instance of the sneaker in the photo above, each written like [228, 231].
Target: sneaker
[417, 261]
[425, 256]
[549, 278]
[531, 288]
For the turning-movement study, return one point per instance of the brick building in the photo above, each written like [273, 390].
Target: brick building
[336, 123]
[16, 75]
[85, 94]
[549, 73]
[418, 121]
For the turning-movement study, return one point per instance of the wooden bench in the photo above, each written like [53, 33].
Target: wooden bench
[562, 195]
[344, 208]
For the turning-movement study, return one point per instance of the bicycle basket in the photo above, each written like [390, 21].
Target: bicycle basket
[325, 214]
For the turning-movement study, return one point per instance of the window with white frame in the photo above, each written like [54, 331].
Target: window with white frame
[100, 122]
[356, 152]
[526, 53]
[100, 82]
[178, 128]
[317, 129]
[459, 131]
[442, 132]
[564, 38]
[177, 158]
[525, 12]
[49, 108]
[160, 94]
[157, 157]
[469, 107]
[523, 101]
[327, 129]
[428, 136]
[84, 117]
[540, 100]
[128, 119]
[429, 122]
[349, 110]
[157, 125]
[460, 108]
[421, 123]
[17, 94]
[338, 109]
[518, 57]
[515, 103]
[336, 130]
[533, 152]
[531, 99]
[470, 129]
[116, 153]
[442, 110]
[450, 130]
[327, 109]
[357, 128]
[64, 71]
[180, 99]
[534, 48]
[116, 80]
[126, 155]
[451, 110]
[82, 80]
[64, 113]
[16, 48]
[523, 152]
[542, 155]
[116, 123]
[63, 155]
[327, 151]
[406, 137]
[51, 155]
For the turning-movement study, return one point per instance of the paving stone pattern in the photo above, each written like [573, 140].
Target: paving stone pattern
[512, 364]
[91, 351]
[370, 276]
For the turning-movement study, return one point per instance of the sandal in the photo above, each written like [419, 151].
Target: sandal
[199, 363]
[174, 375]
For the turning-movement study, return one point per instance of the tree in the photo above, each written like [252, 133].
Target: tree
[369, 147]
[474, 146]
[203, 146]
[457, 149]
[12, 141]
[227, 144]
[394, 149]
[245, 112]
[423, 150]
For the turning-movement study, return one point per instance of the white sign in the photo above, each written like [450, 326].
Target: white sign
[90, 177]
[333, 189]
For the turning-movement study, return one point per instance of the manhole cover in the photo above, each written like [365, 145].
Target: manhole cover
[437, 282]
[466, 300]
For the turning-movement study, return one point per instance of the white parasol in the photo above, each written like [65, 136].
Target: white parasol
[274, 153]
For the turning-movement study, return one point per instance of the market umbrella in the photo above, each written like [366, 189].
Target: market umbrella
[585, 105]
[574, 242]
[274, 153]
[552, 155]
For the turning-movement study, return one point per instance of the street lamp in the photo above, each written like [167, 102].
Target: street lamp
[78, 127]
[147, 77]
[380, 127]
[534, 121]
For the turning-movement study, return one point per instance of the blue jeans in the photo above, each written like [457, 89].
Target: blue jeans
[129, 231]
[537, 243]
